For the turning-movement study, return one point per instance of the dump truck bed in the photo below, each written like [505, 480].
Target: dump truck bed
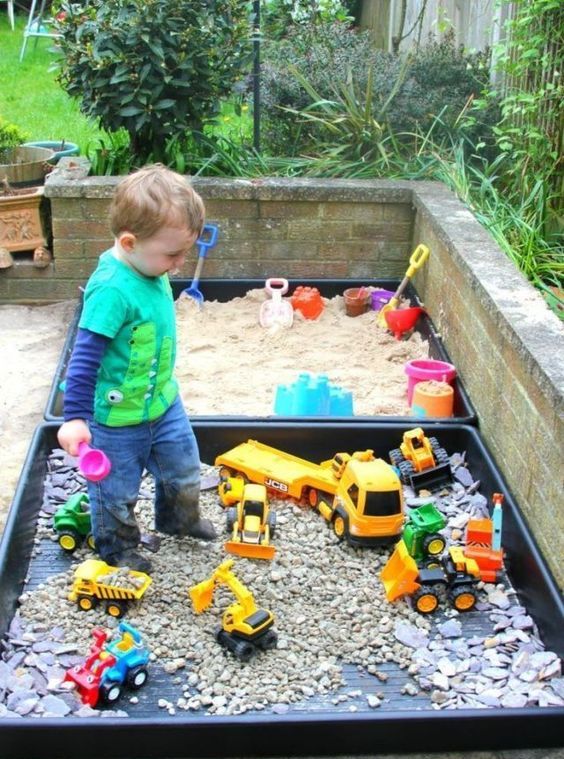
[278, 470]
[92, 569]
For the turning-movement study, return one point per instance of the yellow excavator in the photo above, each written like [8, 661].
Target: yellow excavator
[245, 627]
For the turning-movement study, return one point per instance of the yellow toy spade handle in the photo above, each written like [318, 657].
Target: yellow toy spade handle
[416, 261]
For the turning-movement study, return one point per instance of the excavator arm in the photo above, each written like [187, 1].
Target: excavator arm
[202, 593]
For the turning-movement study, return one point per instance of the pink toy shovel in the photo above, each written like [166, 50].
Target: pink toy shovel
[93, 463]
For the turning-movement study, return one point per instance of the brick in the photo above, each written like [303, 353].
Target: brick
[386, 232]
[75, 268]
[318, 230]
[255, 229]
[96, 209]
[290, 210]
[68, 248]
[218, 210]
[73, 229]
[67, 208]
[354, 212]
[95, 248]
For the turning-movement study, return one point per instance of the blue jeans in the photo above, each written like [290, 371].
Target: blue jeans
[165, 447]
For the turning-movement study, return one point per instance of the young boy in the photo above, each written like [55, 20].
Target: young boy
[121, 394]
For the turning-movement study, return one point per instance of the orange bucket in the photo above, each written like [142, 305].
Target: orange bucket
[432, 398]
[307, 301]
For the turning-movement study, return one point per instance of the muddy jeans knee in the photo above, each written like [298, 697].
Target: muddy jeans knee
[175, 464]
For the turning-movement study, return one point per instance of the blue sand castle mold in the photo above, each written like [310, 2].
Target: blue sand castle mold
[312, 396]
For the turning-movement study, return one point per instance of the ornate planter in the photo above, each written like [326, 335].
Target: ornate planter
[21, 228]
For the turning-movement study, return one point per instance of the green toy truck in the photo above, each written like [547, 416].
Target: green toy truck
[72, 523]
[421, 533]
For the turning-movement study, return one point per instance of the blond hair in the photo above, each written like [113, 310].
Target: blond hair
[152, 198]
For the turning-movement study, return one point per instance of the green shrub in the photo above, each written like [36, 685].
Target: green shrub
[10, 135]
[157, 68]
[437, 79]
[278, 16]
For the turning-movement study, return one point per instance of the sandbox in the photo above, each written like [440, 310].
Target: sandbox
[342, 720]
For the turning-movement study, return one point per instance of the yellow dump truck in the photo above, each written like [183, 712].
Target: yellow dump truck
[96, 581]
[359, 495]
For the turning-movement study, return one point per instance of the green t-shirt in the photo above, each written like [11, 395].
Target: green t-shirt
[135, 381]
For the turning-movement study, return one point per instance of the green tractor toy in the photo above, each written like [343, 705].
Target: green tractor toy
[72, 523]
[421, 534]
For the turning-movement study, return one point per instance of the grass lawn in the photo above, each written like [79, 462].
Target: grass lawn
[30, 97]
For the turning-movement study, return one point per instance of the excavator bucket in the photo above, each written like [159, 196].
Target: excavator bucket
[399, 576]
[250, 550]
[201, 595]
[431, 479]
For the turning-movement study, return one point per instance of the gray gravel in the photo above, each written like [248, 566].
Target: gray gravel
[326, 598]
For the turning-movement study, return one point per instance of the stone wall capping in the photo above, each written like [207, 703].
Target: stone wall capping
[267, 188]
[521, 313]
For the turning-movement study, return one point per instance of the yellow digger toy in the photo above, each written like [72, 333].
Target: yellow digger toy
[245, 627]
[251, 524]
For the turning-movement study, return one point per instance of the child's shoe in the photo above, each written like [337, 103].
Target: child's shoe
[131, 559]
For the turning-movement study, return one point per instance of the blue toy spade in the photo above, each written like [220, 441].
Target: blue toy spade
[205, 241]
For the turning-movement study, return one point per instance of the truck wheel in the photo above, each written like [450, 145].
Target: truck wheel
[339, 526]
[243, 650]
[406, 471]
[396, 457]
[272, 523]
[115, 608]
[137, 677]
[86, 602]
[313, 497]
[231, 518]
[268, 641]
[225, 473]
[90, 541]
[425, 599]
[110, 692]
[69, 540]
[463, 598]
[434, 544]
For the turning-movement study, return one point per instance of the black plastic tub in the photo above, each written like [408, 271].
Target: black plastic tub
[224, 290]
[313, 727]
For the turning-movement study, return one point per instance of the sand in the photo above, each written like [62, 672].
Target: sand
[227, 364]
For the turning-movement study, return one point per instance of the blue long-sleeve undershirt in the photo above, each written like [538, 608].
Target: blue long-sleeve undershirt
[81, 377]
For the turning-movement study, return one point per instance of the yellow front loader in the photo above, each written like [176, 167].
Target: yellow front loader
[245, 627]
[252, 525]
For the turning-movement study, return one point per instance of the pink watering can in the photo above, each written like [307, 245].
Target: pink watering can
[93, 463]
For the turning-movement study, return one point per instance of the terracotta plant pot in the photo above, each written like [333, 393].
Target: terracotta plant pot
[357, 300]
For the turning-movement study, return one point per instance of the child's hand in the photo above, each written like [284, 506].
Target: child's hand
[72, 433]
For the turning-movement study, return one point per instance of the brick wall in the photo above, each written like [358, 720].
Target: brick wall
[506, 344]
[290, 228]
